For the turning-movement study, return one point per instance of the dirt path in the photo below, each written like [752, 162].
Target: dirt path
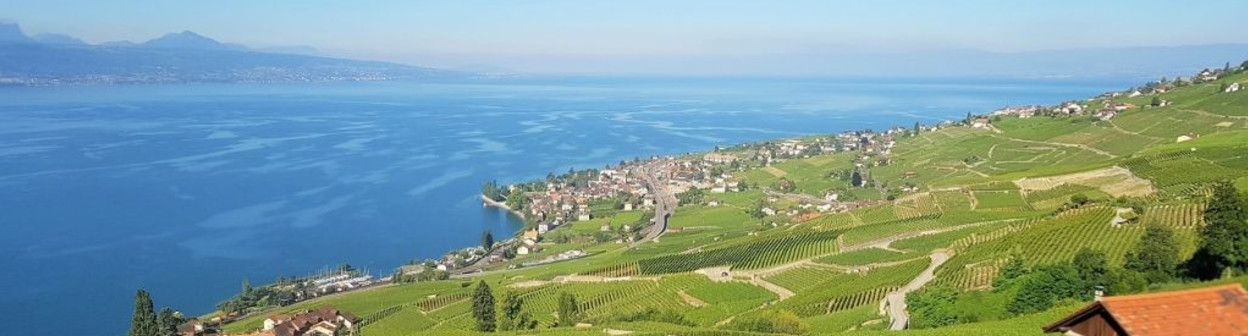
[896, 301]
[783, 293]
[692, 301]
[1062, 144]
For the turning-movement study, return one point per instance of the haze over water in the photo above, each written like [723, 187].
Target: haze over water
[187, 189]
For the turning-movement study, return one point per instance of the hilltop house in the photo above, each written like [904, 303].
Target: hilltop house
[1234, 87]
[981, 122]
[1220, 310]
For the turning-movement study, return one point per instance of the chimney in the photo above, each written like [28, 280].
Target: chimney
[1099, 292]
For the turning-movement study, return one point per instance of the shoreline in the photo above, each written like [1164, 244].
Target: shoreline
[487, 202]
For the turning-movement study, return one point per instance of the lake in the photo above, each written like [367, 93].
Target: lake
[186, 190]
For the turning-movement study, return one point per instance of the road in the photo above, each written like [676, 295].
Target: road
[665, 203]
[896, 300]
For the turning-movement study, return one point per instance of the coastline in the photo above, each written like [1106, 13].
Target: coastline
[488, 202]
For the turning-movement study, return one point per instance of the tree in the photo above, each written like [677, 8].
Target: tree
[168, 321]
[1222, 87]
[514, 317]
[1014, 269]
[144, 323]
[1156, 255]
[569, 311]
[1093, 268]
[856, 179]
[483, 307]
[1156, 101]
[916, 128]
[1044, 287]
[1224, 239]
[487, 240]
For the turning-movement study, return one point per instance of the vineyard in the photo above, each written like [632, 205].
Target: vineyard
[1000, 200]
[1179, 215]
[845, 291]
[802, 278]
[876, 231]
[750, 255]
[864, 257]
[1181, 173]
[917, 206]
[1058, 239]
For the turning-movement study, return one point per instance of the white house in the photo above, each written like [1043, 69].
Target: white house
[769, 211]
[712, 203]
[522, 250]
[1233, 87]
[628, 206]
[583, 216]
[543, 228]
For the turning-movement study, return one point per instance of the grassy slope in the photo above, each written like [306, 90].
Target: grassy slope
[970, 167]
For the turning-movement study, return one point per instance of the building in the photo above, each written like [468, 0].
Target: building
[1234, 87]
[719, 158]
[522, 250]
[324, 321]
[981, 122]
[1212, 311]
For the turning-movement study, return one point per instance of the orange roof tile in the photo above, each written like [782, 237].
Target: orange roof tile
[1213, 311]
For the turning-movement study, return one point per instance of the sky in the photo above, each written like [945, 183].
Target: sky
[549, 34]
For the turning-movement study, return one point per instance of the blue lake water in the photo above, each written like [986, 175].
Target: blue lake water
[187, 189]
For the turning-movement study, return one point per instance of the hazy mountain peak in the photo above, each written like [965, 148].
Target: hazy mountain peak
[188, 40]
[60, 39]
[12, 33]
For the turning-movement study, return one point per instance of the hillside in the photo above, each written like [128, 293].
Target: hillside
[176, 58]
[952, 206]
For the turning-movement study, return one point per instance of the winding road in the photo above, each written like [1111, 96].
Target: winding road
[896, 301]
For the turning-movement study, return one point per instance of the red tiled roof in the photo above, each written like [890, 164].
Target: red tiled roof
[1213, 311]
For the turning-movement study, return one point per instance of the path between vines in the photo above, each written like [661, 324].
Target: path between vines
[896, 301]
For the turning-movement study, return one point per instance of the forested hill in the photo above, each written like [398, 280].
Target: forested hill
[994, 225]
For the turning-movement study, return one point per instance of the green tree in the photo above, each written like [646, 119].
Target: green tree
[1156, 101]
[1014, 269]
[1224, 238]
[1156, 255]
[483, 307]
[1044, 287]
[514, 317]
[933, 307]
[856, 179]
[1222, 87]
[1093, 268]
[144, 323]
[168, 321]
[569, 311]
[487, 240]
[916, 128]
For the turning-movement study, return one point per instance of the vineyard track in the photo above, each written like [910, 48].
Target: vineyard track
[1062, 144]
[896, 301]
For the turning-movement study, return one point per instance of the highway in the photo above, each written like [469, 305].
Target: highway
[655, 177]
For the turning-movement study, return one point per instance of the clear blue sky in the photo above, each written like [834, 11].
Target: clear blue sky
[493, 31]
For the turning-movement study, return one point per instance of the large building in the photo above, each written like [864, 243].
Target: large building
[1211, 311]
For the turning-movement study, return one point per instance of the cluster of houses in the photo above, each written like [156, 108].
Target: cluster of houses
[323, 321]
[341, 282]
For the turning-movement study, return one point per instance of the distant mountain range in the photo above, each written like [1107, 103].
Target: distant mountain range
[56, 59]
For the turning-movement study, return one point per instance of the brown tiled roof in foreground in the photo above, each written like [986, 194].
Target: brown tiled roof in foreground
[1213, 311]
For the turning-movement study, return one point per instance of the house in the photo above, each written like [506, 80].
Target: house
[1234, 87]
[543, 228]
[1219, 310]
[1106, 114]
[628, 206]
[583, 216]
[719, 158]
[324, 321]
[769, 212]
[1071, 108]
[522, 250]
[531, 234]
[981, 122]
[191, 327]
[1186, 137]
[712, 203]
